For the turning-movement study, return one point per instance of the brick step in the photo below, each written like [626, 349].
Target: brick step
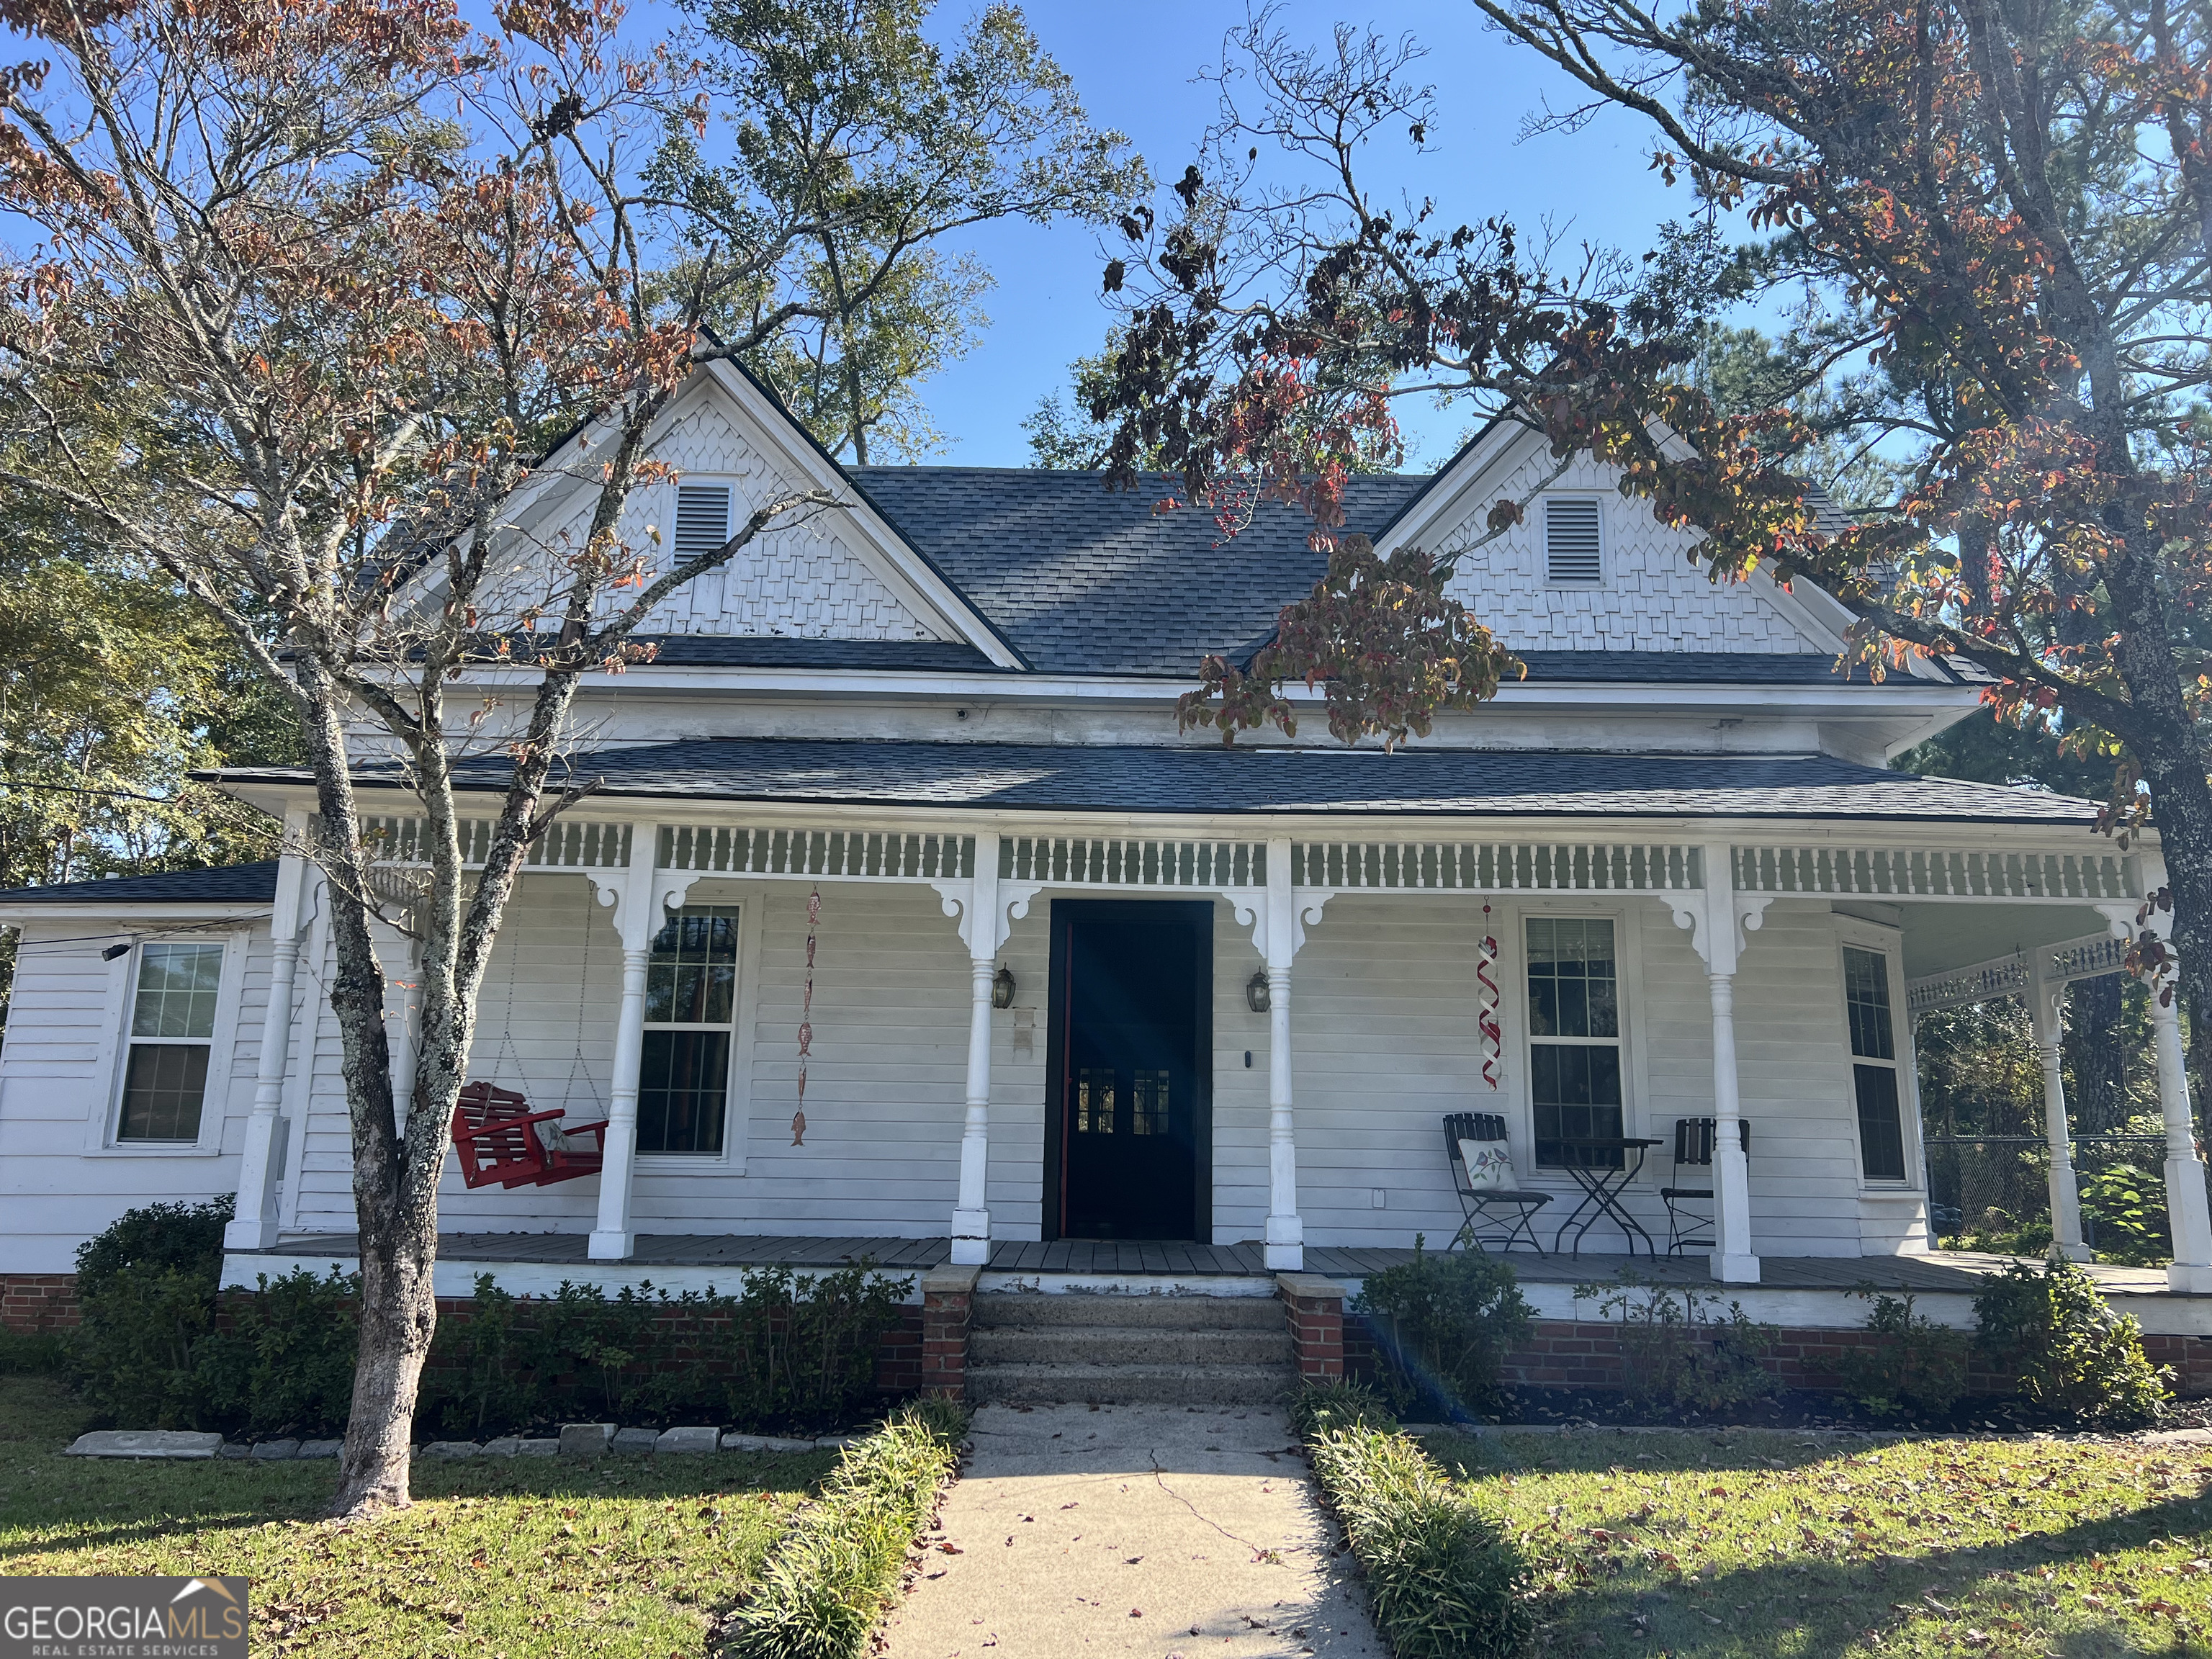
[1129, 1385]
[1132, 1345]
[1000, 1310]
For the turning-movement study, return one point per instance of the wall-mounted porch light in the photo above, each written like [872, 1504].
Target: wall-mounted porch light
[1002, 988]
[1255, 993]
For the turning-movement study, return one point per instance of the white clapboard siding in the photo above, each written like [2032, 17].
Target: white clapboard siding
[55, 1082]
[1384, 1042]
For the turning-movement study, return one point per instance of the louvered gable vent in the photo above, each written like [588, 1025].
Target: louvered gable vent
[702, 519]
[1571, 541]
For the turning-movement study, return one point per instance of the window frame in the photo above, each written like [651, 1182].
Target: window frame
[747, 899]
[1518, 1087]
[120, 1003]
[1596, 502]
[1851, 935]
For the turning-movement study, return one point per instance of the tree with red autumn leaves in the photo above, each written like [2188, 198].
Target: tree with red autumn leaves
[2001, 213]
[309, 301]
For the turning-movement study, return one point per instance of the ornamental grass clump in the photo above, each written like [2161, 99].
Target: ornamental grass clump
[1443, 1580]
[824, 1589]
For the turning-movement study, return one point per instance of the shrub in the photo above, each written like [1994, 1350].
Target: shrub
[1678, 1349]
[33, 1354]
[2126, 1207]
[186, 1236]
[831, 1578]
[1915, 1364]
[1443, 1580]
[142, 1344]
[1450, 1321]
[2053, 1329]
[282, 1360]
[782, 1352]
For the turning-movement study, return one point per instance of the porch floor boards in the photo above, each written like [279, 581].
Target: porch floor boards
[1956, 1271]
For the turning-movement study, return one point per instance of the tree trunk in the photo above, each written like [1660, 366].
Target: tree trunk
[399, 1317]
[2096, 1055]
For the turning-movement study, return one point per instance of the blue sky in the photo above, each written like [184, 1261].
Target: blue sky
[1133, 60]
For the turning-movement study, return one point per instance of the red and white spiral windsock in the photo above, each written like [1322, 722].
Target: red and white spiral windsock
[1486, 1015]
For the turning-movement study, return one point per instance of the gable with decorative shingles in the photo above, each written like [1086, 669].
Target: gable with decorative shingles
[1649, 595]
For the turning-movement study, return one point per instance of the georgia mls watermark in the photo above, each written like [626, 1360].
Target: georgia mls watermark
[122, 1618]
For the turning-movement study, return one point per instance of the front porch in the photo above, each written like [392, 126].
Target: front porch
[879, 1054]
[1805, 1291]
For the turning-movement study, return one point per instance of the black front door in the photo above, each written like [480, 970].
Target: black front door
[1128, 1135]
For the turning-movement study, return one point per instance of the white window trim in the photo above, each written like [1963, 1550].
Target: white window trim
[1597, 499]
[103, 1137]
[747, 899]
[1518, 1085]
[1852, 934]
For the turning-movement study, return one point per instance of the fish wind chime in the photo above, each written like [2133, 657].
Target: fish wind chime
[1486, 1011]
[807, 1017]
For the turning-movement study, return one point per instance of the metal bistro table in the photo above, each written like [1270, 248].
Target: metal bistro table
[1592, 1164]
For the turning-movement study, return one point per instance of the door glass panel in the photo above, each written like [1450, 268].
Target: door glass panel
[1148, 1104]
[1094, 1100]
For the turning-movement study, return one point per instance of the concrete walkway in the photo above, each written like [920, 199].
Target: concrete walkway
[1133, 1529]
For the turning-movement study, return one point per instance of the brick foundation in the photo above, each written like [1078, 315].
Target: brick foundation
[1313, 1308]
[1563, 1354]
[38, 1301]
[948, 1297]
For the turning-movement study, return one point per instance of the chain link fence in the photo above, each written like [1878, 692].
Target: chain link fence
[1994, 1192]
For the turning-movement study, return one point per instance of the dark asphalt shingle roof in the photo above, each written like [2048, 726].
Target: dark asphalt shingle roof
[229, 883]
[777, 651]
[1129, 778]
[1086, 579]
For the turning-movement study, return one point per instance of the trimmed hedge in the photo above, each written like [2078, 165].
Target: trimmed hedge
[1441, 1579]
[832, 1579]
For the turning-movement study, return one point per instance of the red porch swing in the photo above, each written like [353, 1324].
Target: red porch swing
[501, 1142]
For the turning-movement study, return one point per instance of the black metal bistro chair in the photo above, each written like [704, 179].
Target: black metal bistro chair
[1498, 1212]
[1687, 1228]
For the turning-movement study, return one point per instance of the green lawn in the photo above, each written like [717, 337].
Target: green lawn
[522, 1559]
[1776, 1544]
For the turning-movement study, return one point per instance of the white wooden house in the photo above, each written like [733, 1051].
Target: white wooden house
[1079, 982]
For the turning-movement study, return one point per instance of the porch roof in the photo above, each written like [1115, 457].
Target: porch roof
[1415, 781]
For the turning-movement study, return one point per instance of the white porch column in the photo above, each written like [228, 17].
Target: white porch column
[2065, 1204]
[2185, 1207]
[1286, 1236]
[641, 897]
[971, 1214]
[261, 1164]
[1718, 919]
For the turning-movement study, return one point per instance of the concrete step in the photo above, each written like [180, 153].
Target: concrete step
[1129, 1385]
[1005, 1309]
[1127, 1345]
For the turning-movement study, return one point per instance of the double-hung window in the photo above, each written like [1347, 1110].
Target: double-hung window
[1574, 1037]
[1873, 1064]
[173, 1008]
[690, 1008]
